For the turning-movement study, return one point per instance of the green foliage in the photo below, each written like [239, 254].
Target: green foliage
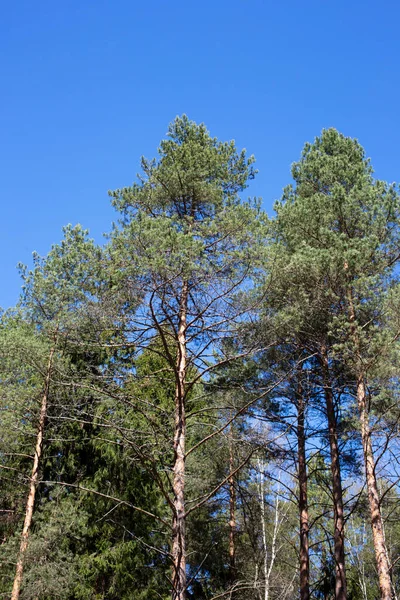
[263, 297]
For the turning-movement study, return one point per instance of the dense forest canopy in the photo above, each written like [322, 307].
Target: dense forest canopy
[207, 406]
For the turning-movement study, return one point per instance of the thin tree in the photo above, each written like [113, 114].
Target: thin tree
[30, 503]
[304, 556]
[51, 290]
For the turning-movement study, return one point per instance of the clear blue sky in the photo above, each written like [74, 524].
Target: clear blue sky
[87, 86]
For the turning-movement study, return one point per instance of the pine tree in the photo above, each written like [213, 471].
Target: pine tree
[51, 299]
[186, 247]
[344, 225]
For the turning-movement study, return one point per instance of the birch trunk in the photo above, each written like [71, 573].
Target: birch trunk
[268, 564]
[263, 529]
[178, 521]
[33, 481]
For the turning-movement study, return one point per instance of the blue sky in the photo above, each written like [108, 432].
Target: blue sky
[88, 86]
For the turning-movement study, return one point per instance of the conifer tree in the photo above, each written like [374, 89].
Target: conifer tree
[186, 246]
[187, 412]
[343, 224]
[52, 291]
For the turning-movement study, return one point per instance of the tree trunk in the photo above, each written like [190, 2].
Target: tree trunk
[303, 504]
[33, 481]
[178, 521]
[378, 534]
[232, 512]
[268, 563]
[261, 468]
[339, 555]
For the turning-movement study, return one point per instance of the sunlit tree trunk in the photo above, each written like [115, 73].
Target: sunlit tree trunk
[268, 562]
[178, 521]
[378, 535]
[33, 481]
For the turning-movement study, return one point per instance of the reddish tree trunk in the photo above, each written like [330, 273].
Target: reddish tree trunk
[178, 521]
[33, 482]
[339, 555]
[378, 535]
[303, 504]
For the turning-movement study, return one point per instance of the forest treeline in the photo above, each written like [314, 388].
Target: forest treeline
[207, 406]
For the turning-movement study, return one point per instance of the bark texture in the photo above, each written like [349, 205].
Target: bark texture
[178, 521]
[33, 482]
[337, 490]
[304, 558]
[378, 534]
